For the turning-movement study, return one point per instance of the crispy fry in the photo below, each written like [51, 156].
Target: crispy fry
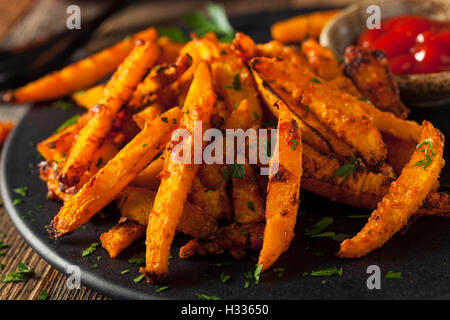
[170, 50]
[160, 76]
[234, 238]
[370, 72]
[298, 28]
[313, 132]
[5, 128]
[103, 187]
[79, 75]
[137, 203]
[405, 196]
[283, 191]
[89, 97]
[177, 179]
[337, 110]
[117, 92]
[321, 60]
[121, 236]
[147, 115]
[149, 177]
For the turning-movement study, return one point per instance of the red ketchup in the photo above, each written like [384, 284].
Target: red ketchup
[413, 44]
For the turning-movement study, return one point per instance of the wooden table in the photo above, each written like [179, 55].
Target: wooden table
[21, 20]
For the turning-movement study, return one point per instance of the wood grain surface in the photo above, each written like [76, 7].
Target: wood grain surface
[22, 20]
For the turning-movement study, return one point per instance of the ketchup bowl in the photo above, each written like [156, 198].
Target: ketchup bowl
[414, 34]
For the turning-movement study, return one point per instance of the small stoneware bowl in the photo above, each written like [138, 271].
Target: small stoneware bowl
[417, 90]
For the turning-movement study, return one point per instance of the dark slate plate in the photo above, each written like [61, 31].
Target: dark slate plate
[422, 254]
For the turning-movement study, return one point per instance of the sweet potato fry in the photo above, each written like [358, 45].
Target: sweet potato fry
[216, 202]
[298, 28]
[5, 128]
[234, 239]
[149, 178]
[370, 72]
[170, 50]
[147, 115]
[121, 236]
[103, 187]
[159, 76]
[405, 196]
[283, 191]
[89, 97]
[337, 110]
[177, 178]
[79, 75]
[117, 92]
[137, 203]
[313, 132]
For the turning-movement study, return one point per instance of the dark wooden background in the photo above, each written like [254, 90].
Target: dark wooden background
[22, 21]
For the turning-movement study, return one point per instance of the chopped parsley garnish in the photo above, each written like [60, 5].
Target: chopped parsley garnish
[256, 115]
[246, 284]
[204, 296]
[163, 288]
[138, 278]
[257, 273]
[43, 295]
[236, 84]
[222, 52]
[125, 271]
[94, 266]
[325, 272]
[243, 232]
[393, 275]
[365, 99]
[17, 202]
[138, 258]
[224, 277]
[69, 122]
[307, 108]
[320, 226]
[294, 144]
[316, 80]
[347, 168]
[427, 160]
[64, 105]
[22, 274]
[237, 170]
[91, 249]
[251, 206]
[164, 119]
[22, 191]
[279, 271]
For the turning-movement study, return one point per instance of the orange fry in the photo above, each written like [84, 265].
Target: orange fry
[106, 184]
[177, 179]
[405, 196]
[79, 75]
[121, 236]
[117, 92]
[283, 191]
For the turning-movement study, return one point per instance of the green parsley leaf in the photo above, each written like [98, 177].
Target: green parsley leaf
[125, 271]
[251, 206]
[320, 226]
[345, 170]
[204, 296]
[294, 144]
[138, 258]
[69, 122]
[326, 272]
[22, 274]
[22, 191]
[63, 105]
[236, 84]
[246, 284]
[393, 275]
[316, 80]
[164, 119]
[224, 277]
[95, 266]
[163, 288]
[138, 278]
[91, 249]
[17, 202]
[257, 273]
[237, 170]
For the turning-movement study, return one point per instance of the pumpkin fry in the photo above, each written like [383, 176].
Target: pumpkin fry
[89, 97]
[117, 91]
[104, 186]
[5, 128]
[121, 236]
[338, 111]
[79, 75]
[405, 196]
[283, 191]
[177, 179]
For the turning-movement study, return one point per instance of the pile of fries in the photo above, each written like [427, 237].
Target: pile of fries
[342, 134]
